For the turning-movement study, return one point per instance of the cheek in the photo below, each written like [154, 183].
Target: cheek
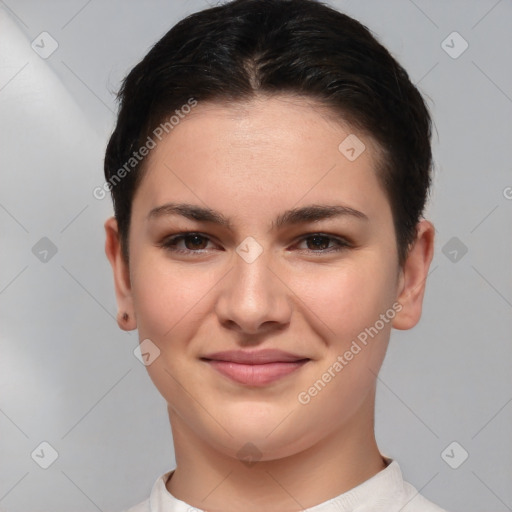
[350, 302]
[350, 297]
[170, 305]
[167, 298]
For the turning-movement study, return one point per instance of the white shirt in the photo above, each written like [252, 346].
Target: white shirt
[384, 492]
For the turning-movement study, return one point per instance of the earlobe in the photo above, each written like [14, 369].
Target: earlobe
[125, 321]
[113, 250]
[412, 280]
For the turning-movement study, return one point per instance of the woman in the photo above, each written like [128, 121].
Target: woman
[269, 170]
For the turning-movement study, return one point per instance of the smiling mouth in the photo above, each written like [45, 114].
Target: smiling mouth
[256, 368]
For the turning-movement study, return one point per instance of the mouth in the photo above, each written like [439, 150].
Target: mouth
[255, 368]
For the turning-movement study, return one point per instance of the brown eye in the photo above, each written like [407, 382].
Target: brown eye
[195, 242]
[318, 242]
[187, 243]
[322, 244]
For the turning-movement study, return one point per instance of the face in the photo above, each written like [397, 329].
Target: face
[264, 269]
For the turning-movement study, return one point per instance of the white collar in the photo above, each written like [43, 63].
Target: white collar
[384, 491]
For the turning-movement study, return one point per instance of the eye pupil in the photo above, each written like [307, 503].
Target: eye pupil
[320, 242]
[197, 242]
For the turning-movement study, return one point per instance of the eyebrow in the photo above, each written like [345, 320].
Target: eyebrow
[311, 213]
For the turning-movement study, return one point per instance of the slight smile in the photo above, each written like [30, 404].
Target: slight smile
[255, 368]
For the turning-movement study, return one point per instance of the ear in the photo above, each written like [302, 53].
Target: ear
[121, 276]
[413, 276]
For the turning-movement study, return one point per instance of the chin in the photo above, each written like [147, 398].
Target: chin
[251, 446]
[265, 434]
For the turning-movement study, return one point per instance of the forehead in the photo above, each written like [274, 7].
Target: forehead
[266, 150]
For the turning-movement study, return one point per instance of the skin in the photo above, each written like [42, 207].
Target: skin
[251, 162]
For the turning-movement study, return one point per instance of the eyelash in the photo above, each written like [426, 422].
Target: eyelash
[169, 243]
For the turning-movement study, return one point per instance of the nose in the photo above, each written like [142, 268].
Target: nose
[253, 298]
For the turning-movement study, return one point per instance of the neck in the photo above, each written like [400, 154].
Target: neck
[213, 481]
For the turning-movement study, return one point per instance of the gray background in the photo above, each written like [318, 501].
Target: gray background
[68, 375]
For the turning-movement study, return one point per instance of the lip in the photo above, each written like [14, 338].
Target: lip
[255, 368]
